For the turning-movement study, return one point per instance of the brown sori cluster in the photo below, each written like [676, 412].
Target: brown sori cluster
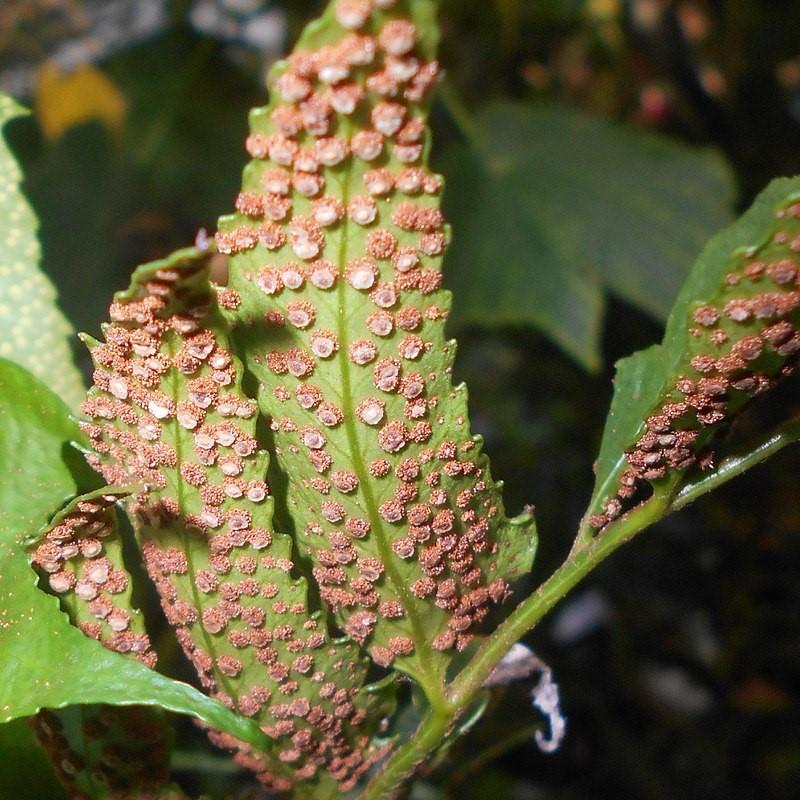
[81, 556]
[336, 255]
[740, 347]
[128, 752]
[167, 411]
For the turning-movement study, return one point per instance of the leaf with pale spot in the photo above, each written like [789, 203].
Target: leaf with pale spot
[33, 330]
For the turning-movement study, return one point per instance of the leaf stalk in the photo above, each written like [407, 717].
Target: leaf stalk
[736, 465]
[462, 691]
[583, 558]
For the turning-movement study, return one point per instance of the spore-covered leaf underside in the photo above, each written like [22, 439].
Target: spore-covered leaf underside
[336, 254]
[733, 336]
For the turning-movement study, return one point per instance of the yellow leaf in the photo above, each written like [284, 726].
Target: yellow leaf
[604, 9]
[64, 100]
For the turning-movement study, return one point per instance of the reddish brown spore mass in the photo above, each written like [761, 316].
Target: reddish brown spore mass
[74, 557]
[398, 438]
[167, 413]
[740, 347]
[336, 290]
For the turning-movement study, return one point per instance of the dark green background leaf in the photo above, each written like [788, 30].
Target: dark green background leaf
[26, 771]
[553, 208]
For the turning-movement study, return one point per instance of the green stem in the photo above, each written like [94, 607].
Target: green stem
[469, 682]
[734, 466]
[729, 468]
[425, 675]
[407, 759]
[584, 557]
[528, 613]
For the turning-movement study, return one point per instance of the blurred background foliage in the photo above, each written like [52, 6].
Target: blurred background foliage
[591, 147]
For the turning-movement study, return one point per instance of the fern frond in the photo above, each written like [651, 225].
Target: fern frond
[336, 251]
[733, 336]
[80, 553]
[100, 752]
[167, 411]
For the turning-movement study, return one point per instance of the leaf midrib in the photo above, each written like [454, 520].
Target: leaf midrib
[431, 685]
